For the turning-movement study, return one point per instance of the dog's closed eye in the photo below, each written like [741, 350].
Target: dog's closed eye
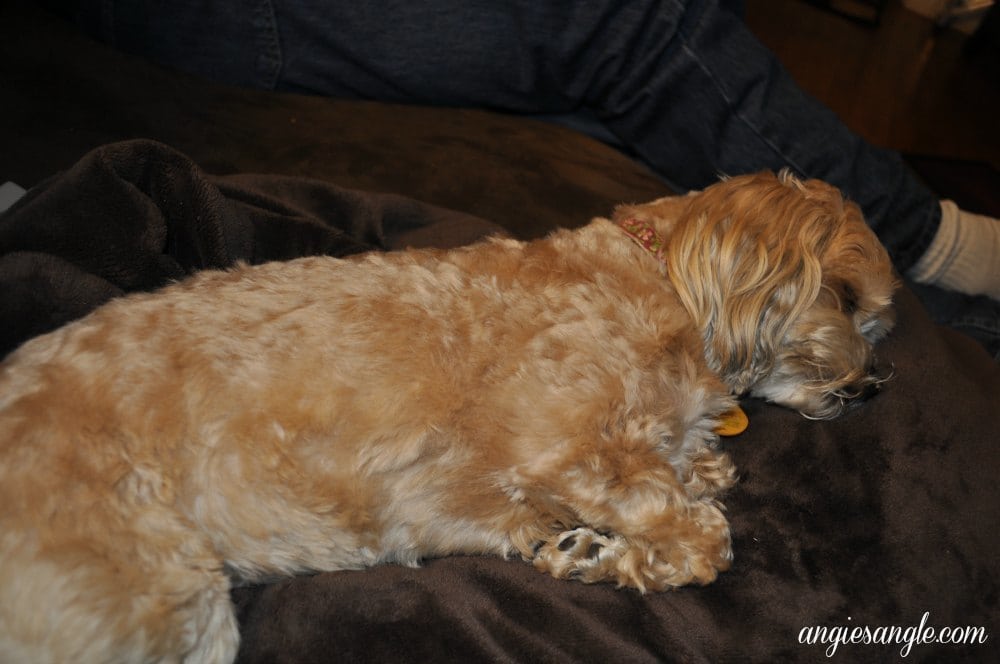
[848, 298]
[844, 295]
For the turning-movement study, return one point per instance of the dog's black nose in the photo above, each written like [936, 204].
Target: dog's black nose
[862, 392]
[869, 390]
[872, 383]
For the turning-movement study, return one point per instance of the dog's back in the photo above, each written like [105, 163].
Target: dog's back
[269, 420]
[327, 414]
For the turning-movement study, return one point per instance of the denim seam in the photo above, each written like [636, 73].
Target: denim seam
[269, 59]
[734, 110]
[978, 323]
[106, 21]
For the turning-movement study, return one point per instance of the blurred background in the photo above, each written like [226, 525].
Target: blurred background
[919, 76]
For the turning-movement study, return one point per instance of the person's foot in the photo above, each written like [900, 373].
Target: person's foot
[965, 254]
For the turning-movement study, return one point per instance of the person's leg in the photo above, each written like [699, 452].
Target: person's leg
[683, 85]
[727, 105]
[232, 41]
[977, 316]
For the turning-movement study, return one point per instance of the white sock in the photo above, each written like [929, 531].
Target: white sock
[965, 254]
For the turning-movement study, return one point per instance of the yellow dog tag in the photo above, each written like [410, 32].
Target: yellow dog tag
[732, 422]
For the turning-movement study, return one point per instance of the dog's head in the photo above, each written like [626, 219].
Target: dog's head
[789, 286]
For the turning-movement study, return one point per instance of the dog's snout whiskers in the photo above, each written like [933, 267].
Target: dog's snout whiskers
[866, 388]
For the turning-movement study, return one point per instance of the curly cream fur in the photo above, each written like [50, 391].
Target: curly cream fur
[554, 400]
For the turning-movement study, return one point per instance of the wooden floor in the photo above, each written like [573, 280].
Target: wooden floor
[901, 85]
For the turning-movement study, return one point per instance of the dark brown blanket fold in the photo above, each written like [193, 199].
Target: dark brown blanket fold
[134, 215]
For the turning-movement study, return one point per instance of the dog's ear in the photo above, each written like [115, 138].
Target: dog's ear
[745, 258]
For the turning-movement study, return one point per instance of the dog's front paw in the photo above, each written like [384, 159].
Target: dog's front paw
[677, 553]
[711, 473]
[690, 545]
[582, 554]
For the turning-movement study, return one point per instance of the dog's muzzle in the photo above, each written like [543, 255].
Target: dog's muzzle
[869, 386]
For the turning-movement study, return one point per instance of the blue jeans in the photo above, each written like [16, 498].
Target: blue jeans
[976, 316]
[681, 85]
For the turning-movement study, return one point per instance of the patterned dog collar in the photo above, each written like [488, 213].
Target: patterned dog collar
[734, 421]
[643, 234]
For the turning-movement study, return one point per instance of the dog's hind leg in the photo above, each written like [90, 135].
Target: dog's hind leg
[81, 599]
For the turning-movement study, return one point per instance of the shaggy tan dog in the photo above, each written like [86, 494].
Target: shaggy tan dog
[553, 399]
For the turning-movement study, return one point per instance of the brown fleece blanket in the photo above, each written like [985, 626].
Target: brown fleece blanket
[137, 214]
[884, 518]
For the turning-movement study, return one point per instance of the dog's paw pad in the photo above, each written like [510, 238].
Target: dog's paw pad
[579, 554]
[571, 542]
[567, 542]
